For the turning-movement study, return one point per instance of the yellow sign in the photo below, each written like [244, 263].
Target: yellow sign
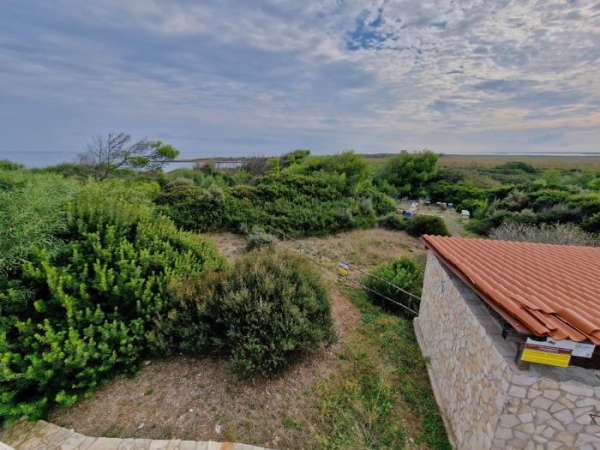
[343, 269]
[550, 359]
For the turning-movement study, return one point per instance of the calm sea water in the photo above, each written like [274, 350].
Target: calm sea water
[44, 159]
[50, 158]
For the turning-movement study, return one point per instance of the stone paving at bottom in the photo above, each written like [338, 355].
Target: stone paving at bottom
[41, 435]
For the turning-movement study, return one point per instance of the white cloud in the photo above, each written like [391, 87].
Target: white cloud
[365, 70]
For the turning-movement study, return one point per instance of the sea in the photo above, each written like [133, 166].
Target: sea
[50, 158]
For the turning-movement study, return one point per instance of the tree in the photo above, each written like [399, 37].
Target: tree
[103, 156]
[408, 172]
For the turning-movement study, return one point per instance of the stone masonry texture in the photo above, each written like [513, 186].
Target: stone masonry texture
[486, 401]
[41, 435]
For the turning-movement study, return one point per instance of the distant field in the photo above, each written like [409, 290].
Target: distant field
[541, 162]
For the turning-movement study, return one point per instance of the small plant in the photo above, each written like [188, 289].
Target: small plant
[149, 391]
[288, 422]
[402, 272]
[259, 238]
[114, 431]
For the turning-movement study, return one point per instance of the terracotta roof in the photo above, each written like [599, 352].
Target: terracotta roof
[553, 290]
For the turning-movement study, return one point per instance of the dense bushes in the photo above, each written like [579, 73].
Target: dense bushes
[565, 234]
[321, 196]
[74, 317]
[403, 272]
[416, 226]
[392, 221]
[32, 214]
[268, 311]
[194, 208]
[543, 206]
[419, 225]
[407, 174]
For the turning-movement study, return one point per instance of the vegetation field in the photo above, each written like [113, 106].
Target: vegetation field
[539, 162]
[269, 303]
[370, 390]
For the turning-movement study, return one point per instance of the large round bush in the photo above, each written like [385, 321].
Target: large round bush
[269, 310]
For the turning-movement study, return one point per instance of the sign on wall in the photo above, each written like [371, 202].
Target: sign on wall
[555, 353]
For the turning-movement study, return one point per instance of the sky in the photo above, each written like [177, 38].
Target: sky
[264, 77]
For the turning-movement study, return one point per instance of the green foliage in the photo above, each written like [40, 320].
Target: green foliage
[382, 381]
[552, 178]
[193, 208]
[353, 169]
[295, 157]
[5, 164]
[75, 317]
[404, 273]
[516, 201]
[393, 221]
[443, 191]
[301, 204]
[268, 311]
[419, 225]
[312, 196]
[549, 202]
[564, 234]
[516, 166]
[33, 215]
[472, 205]
[591, 223]
[71, 170]
[408, 173]
[257, 238]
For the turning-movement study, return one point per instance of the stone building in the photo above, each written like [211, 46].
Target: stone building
[509, 330]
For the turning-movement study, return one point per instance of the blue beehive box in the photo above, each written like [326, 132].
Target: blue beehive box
[408, 214]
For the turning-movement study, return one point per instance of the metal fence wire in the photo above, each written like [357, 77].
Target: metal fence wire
[317, 258]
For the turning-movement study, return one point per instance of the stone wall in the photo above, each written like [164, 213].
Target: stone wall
[487, 402]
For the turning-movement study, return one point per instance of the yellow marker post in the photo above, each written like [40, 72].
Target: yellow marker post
[343, 269]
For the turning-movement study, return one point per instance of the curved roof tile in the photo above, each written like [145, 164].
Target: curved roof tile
[553, 290]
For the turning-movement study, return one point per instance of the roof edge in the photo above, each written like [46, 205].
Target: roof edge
[513, 321]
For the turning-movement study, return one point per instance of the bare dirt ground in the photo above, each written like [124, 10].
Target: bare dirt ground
[186, 398]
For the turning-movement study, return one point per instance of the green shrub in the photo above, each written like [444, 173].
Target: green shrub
[591, 223]
[419, 225]
[32, 214]
[194, 208]
[268, 311]
[393, 221]
[472, 205]
[547, 198]
[257, 238]
[110, 295]
[402, 272]
[5, 164]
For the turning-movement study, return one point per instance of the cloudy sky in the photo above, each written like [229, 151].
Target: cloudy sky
[257, 77]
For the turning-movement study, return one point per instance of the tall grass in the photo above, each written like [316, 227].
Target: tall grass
[382, 396]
